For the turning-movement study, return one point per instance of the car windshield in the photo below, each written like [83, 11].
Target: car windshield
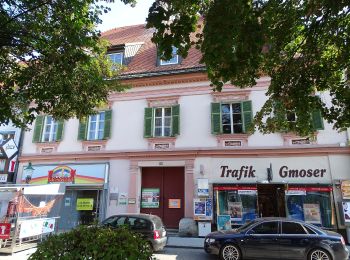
[246, 226]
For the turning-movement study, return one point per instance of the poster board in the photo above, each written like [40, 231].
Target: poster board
[150, 197]
[346, 212]
[345, 189]
[223, 222]
[312, 213]
[203, 209]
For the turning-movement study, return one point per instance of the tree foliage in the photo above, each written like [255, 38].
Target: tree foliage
[303, 46]
[52, 59]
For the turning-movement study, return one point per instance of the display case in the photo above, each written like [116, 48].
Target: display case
[27, 214]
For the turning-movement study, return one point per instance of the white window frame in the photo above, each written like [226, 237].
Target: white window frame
[163, 121]
[231, 117]
[113, 60]
[170, 61]
[53, 130]
[98, 122]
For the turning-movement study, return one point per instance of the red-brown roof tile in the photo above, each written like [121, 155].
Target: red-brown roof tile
[145, 60]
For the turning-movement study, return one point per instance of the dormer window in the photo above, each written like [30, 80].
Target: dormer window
[116, 58]
[173, 60]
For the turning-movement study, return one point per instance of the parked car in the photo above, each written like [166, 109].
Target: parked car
[277, 238]
[150, 226]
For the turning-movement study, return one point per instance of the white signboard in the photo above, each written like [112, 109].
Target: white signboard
[10, 148]
[203, 187]
[3, 177]
[48, 225]
[35, 227]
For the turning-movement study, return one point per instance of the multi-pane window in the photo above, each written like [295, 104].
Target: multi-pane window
[96, 126]
[47, 129]
[162, 121]
[50, 129]
[231, 116]
[116, 58]
[173, 60]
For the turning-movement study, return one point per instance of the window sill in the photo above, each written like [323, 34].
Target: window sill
[94, 145]
[47, 147]
[293, 139]
[161, 143]
[232, 140]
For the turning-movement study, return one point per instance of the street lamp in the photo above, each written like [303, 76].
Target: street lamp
[28, 171]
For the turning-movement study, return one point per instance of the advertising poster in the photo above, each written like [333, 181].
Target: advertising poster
[30, 228]
[346, 211]
[150, 198]
[5, 230]
[208, 208]
[345, 190]
[85, 204]
[199, 207]
[224, 222]
[235, 210]
[48, 225]
[312, 213]
[123, 198]
[203, 187]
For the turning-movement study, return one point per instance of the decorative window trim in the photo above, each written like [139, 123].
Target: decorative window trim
[163, 101]
[154, 143]
[231, 96]
[43, 148]
[288, 139]
[222, 138]
[94, 143]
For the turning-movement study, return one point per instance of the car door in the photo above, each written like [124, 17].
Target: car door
[294, 240]
[261, 241]
[141, 226]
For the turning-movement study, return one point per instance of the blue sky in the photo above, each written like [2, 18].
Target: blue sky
[122, 15]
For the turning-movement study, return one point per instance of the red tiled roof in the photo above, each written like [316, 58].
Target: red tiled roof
[145, 60]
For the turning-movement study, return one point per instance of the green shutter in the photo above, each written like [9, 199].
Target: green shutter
[215, 118]
[59, 132]
[247, 115]
[317, 121]
[38, 129]
[148, 123]
[175, 117]
[82, 134]
[108, 121]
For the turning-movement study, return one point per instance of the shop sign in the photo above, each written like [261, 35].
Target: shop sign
[296, 192]
[312, 213]
[174, 203]
[123, 198]
[203, 209]
[131, 200]
[10, 148]
[223, 222]
[150, 198]
[203, 187]
[3, 178]
[239, 188]
[85, 204]
[285, 172]
[247, 192]
[5, 230]
[320, 189]
[346, 211]
[36, 227]
[61, 174]
[243, 172]
[93, 174]
[345, 190]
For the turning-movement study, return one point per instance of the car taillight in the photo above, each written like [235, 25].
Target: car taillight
[156, 234]
[342, 241]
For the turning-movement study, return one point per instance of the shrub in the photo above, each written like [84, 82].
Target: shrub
[94, 242]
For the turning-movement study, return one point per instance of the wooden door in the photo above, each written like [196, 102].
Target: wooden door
[170, 182]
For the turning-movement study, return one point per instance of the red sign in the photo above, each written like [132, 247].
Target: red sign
[321, 189]
[61, 174]
[5, 229]
[235, 188]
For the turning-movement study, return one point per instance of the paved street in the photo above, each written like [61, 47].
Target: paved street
[170, 253]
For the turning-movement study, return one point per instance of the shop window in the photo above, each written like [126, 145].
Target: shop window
[312, 205]
[231, 118]
[239, 204]
[292, 228]
[162, 121]
[96, 127]
[266, 228]
[47, 129]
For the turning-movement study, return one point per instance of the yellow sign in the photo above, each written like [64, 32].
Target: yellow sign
[85, 204]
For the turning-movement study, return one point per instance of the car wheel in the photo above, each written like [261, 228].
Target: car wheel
[319, 254]
[230, 252]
